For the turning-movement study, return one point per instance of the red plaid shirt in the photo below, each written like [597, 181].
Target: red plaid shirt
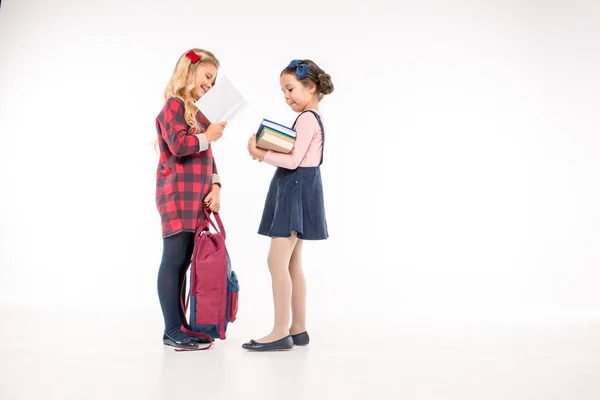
[184, 175]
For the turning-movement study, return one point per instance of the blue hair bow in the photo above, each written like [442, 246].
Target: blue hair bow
[301, 69]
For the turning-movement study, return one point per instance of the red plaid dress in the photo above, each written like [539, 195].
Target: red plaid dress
[184, 176]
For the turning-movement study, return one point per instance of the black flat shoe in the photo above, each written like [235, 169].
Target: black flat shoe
[301, 339]
[188, 343]
[282, 344]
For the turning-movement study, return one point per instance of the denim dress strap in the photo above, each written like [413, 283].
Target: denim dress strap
[322, 130]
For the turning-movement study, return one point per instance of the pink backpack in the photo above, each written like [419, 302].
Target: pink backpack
[214, 285]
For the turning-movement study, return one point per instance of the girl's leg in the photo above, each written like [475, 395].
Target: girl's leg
[279, 260]
[182, 290]
[298, 291]
[177, 252]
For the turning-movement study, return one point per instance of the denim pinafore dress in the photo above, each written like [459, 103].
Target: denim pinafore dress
[295, 201]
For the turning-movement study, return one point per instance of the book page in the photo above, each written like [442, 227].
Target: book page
[222, 102]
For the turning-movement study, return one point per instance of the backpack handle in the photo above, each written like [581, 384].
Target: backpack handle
[220, 229]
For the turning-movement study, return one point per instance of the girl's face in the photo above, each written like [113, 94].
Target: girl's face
[203, 81]
[297, 96]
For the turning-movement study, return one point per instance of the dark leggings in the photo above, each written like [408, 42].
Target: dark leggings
[177, 254]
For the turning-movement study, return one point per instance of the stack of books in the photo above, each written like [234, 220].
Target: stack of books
[275, 137]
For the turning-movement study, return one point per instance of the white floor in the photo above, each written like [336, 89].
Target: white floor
[102, 356]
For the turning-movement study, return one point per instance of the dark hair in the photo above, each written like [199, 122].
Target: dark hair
[315, 75]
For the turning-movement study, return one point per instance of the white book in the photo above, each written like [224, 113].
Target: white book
[278, 142]
[221, 102]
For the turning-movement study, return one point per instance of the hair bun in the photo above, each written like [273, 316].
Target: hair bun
[325, 84]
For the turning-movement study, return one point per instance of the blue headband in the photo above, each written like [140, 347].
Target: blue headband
[301, 69]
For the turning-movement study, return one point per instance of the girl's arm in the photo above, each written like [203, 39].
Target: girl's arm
[216, 180]
[175, 131]
[306, 127]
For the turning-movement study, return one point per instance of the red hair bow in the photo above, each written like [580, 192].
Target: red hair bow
[192, 56]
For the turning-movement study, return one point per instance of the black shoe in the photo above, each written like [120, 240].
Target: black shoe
[187, 343]
[301, 339]
[204, 340]
[282, 344]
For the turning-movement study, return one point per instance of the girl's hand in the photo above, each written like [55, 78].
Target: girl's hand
[255, 152]
[215, 131]
[252, 146]
[213, 199]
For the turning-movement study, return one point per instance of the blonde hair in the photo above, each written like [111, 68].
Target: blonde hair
[182, 83]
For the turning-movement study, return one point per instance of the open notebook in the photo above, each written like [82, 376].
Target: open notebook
[221, 102]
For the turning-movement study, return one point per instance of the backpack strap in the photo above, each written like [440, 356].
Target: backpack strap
[183, 328]
[318, 117]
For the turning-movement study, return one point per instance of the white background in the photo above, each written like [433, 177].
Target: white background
[462, 165]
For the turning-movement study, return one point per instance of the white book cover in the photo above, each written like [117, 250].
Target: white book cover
[221, 102]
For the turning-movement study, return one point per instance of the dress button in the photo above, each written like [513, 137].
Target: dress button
[296, 181]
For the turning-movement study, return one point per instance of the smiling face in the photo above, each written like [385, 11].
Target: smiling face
[204, 80]
[298, 96]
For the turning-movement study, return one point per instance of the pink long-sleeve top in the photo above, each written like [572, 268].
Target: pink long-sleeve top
[307, 148]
